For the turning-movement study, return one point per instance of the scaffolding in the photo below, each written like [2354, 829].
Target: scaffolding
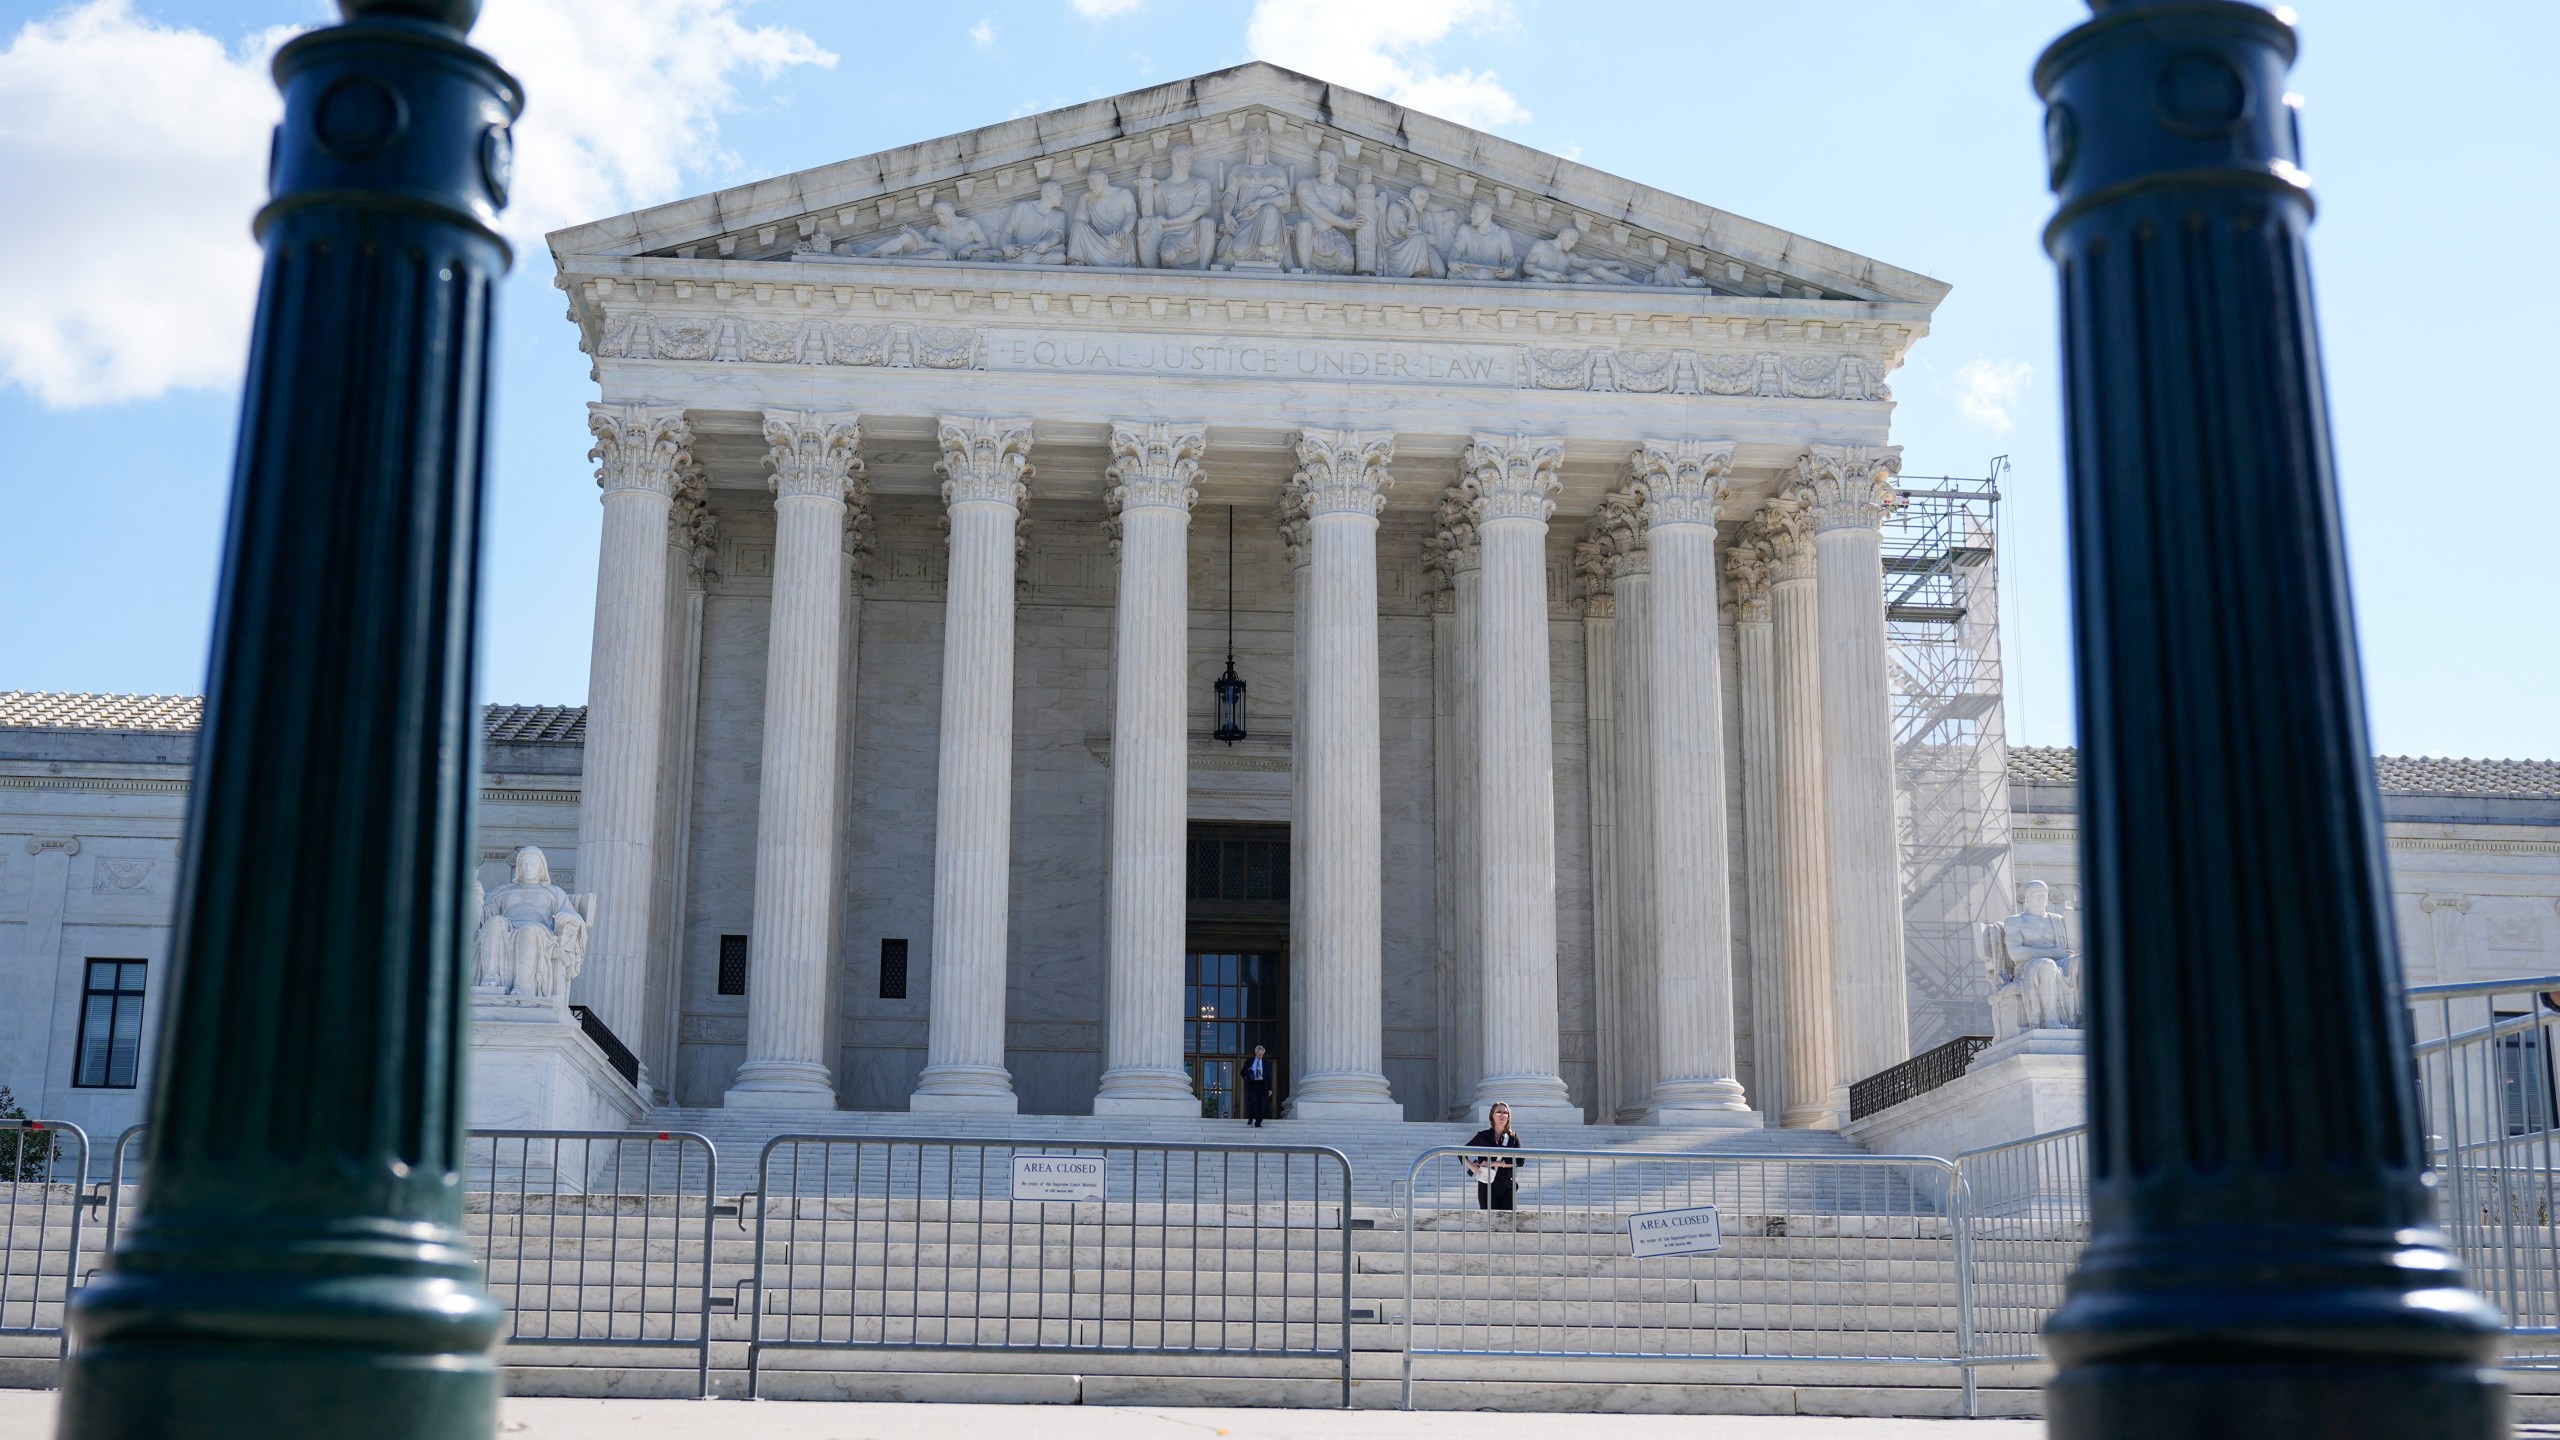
[1951, 760]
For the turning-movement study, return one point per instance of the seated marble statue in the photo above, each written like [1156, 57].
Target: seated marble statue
[1175, 229]
[1034, 231]
[532, 939]
[1253, 230]
[1325, 238]
[2034, 969]
[951, 236]
[1555, 262]
[1415, 237]
[1482, 250]
[1104, 228]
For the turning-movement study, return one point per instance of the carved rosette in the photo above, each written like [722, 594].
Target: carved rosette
[1511, 477]
[1154, 465]
[984, 460]
[1681, 482]
[1784, 526]
[1849, 486]
[1344, 472]
[639, 447]
[814, 454]
[1748, 570]
[1450, 550]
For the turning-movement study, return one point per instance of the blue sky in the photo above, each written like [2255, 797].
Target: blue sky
[1901, 131]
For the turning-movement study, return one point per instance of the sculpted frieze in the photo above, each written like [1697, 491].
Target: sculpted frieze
[1254, 211]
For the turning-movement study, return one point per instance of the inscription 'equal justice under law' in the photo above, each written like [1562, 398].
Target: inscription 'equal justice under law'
[1297, 361]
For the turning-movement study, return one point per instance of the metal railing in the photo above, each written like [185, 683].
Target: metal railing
[44, 1172]
[2026, 1217]
[2490, 1114]
[599, 1034]
[598, 1237]
[1914, 1077]
[1835, 1259]
[1157, 1249]
[119, 1177]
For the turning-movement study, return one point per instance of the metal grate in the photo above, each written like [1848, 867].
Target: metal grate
[733, 964]
[1914, 1077]
[1238, 867]
[893, 969]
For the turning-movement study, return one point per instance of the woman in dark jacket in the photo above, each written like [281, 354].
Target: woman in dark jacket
[1493, 1174]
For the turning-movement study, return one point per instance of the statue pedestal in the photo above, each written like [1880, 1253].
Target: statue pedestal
[2027, 1084]
[533, 1069]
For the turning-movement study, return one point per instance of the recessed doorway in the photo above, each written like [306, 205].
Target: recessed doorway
[1235, 968]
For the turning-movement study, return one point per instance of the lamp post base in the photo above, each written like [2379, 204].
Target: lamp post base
[2124, 1401]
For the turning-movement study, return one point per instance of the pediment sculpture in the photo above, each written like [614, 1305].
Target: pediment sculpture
[531, 939]
[2034, 966]
[1256, 214]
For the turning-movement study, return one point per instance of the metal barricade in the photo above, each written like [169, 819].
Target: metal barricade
[1138, 1249]
[2491, 1118]
[121, 1175]
[44, 1169]
[597, 1237]
[2026, 1220]
[1612, 1254]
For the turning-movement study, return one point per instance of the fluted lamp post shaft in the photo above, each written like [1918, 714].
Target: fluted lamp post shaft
[2264, 1258]
[297, 1263]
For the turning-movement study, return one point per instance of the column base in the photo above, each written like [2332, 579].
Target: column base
[780, 1085]
[1534, 1100]
[1308, 1107]
[1813, 1117]
[1698, 1100]
[1663, 1116]
[964, 1090]
[1343, 1095]
[1146, 1090]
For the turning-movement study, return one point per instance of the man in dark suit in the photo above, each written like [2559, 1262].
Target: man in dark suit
[1257, 1088]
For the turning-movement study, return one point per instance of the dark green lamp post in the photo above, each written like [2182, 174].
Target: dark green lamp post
[2264, 1259]
[297, 1264]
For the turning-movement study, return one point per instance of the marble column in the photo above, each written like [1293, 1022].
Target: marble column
[1152, 483]
[1746, 569]
[1342, 1072]
[1617, 545]
[641, 455]
[1848, 489]
[1510, 482]
[1294, 542]
[1682, 482]
[985, 468]
[1452, 553]
[813, 458]
[1600, 714]
[1817, 1084]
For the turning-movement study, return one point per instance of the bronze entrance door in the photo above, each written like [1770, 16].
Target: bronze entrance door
[1235, 970]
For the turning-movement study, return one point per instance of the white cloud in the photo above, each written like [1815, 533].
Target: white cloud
[983, 34]
[1378, 45]
[1104, 9]
[145, 148]
[1991, 389]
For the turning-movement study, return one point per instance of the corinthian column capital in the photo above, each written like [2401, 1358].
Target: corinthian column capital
[1345, 471]
[1748, 570]
[1784, 527]
[814, 454]
[1511, 477]
[984, 459]
[1681, 482]
[1451, 549]
[643, 448]
[1153, 466]
[1849, 486]
[1292, 518]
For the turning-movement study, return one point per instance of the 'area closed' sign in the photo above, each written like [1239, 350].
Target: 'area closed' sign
[1057, 1177]
[1656, 1233]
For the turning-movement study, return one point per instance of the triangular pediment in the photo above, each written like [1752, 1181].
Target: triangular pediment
[1021, 194]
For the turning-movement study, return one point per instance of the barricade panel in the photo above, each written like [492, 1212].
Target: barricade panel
[44, 1183]
[2489, 1111]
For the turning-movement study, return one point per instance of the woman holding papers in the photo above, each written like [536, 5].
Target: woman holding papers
[1493, 1172]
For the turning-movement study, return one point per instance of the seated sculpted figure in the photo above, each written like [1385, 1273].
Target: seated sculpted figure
[1034, 231]
[951, 236]
[533, 934]
[1177, 232]
[1104, 228]
[1327, 220]
[1416, 237]
[1253, 231]
[1554, 261]
[2034, 969]
[1482, 250]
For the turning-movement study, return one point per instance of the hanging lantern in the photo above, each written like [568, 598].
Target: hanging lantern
[1230, 686]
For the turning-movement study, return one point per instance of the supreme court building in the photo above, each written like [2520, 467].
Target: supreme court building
[1566, 774]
